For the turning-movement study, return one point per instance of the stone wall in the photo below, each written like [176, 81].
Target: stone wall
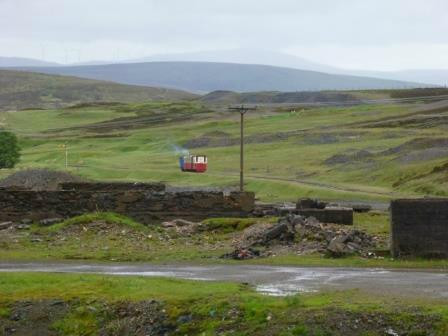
[146, 207]
[112, 186]
[329, 215]
[308, 207]
[419, 227]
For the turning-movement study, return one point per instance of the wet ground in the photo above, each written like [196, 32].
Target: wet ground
[271, 280]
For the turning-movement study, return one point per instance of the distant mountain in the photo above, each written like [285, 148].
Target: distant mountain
[9, 62]
[210, 76]
[255, 56]
[274, 58]
[95, 63]
[430, 76]
[242, 56]
[20, 90]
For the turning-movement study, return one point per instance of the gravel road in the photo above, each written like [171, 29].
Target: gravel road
[271, 280]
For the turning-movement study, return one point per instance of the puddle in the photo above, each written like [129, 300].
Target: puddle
[283, 289]
[268, 280]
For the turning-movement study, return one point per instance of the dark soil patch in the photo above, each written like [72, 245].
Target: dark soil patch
[136, 318]
[345, 323]
[33, 318]
[359, 156]
[56, 317]
[96, 104]
[417, 144]
[226, 140]
[418, 92]
[38, 179]
[106, 136]
[415, 150]
[150, 318]
[420, 120]
[274, 97]
[211, 139]
[330, 138]
[423, 155]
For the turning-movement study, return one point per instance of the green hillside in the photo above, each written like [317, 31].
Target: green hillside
[370, 152]
[20, 90]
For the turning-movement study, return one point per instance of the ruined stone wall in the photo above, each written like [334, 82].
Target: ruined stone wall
[419, 227]
[112, 186]
[146, 207]
[329, 215]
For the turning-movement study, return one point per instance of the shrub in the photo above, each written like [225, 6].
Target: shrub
[9, 150]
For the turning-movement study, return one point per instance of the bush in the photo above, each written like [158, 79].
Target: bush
[9, 150]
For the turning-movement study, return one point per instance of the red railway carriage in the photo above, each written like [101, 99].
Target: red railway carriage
[193, 163]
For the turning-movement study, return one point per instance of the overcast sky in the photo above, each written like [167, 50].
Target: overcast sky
[357, 34]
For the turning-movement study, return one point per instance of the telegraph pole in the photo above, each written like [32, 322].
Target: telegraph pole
[242, 110]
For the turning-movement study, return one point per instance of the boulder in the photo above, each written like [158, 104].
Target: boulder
[337, 248]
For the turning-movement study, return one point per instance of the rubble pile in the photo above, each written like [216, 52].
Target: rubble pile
[37, 180]
[305, 236]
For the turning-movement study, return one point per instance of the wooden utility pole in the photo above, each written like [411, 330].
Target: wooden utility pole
[242, 110]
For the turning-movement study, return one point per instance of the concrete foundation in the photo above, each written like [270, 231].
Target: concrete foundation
[329, 215]
[419, 227]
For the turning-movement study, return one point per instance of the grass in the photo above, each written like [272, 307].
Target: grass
[277, 169]
[382, 262]
[219, 306]
[374, 223]
[126, 240]
[36, 286]
[108, 217]
[227, 225]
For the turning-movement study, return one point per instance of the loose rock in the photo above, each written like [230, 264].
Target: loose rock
[6, 225]
[305, 236]
[50, 221]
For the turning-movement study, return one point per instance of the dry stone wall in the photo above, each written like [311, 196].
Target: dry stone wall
[112, 186]
[419, 227]
[144, 206]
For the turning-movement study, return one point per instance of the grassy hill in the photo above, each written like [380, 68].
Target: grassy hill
[370, 152]
[20, 90]
[210, 76]
[6, 62]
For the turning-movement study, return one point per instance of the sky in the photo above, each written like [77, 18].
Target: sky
[352, 34]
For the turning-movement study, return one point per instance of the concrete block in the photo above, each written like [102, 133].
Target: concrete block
[419, 227]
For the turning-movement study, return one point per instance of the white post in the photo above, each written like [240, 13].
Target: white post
[66, 156]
